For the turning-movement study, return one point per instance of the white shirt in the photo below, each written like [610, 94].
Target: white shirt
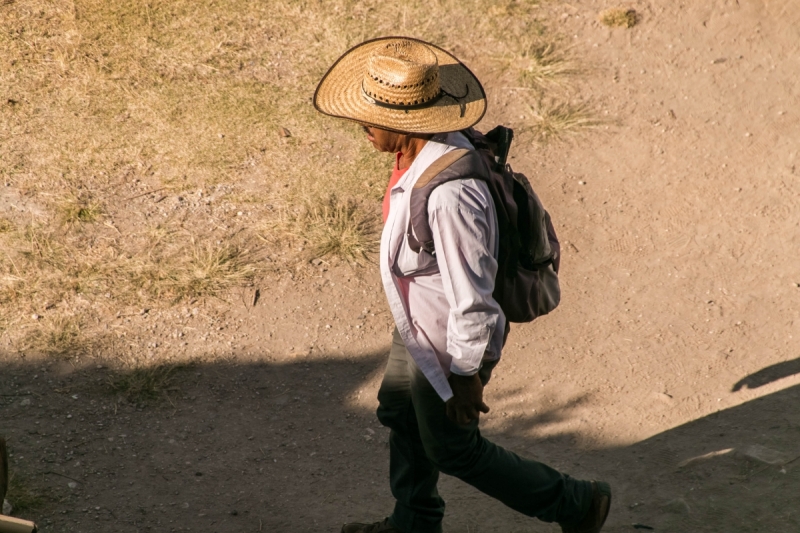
[443, 305]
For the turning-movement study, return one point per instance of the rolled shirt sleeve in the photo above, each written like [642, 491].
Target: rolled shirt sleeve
[464, 226]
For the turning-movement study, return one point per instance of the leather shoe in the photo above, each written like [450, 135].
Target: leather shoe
[598, 511]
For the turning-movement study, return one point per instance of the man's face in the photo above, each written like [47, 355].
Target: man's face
[383, 140]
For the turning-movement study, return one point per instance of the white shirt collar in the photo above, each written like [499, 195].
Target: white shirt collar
[436, 147]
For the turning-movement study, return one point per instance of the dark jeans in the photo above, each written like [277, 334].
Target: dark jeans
[424, 442]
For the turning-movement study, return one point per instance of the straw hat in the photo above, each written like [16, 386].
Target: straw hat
[402, 84]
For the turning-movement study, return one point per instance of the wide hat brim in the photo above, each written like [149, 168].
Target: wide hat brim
[339, 94]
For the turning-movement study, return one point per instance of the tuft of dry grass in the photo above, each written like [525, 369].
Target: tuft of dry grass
[77, 210]
[193, 269]
[44, 265]
[24, 495]
[331, 226]
[6, 225]
[141, 383]
[619, 17]
[210, 269]
[58, 336]
[557, 120]
[545, 65]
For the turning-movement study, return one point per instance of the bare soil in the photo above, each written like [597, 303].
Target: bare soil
[670, 368]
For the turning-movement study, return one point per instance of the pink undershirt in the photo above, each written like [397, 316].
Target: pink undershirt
[397, 173]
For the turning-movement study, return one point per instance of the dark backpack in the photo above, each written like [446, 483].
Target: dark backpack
[526, 284]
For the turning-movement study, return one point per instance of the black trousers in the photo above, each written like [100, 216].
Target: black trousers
[424, 442]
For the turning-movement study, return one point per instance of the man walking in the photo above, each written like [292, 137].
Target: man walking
[414, 99]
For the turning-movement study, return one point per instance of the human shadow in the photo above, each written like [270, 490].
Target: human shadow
[732, 470]
[295, 445]
[735, 470]
[768, 375]
[221, 446]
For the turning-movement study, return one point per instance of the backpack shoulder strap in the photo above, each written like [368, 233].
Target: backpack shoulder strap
[435, 168]
[461, 163]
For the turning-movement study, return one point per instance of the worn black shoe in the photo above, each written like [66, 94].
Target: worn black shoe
[598, 510]
[378, 527]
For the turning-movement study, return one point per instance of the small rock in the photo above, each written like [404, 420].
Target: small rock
[765, 455]
[35, 316]
[72, 485]
[25, 402]
[283, 132]
[7, 507]
[677, 506]
[316, 262]
[663, 397]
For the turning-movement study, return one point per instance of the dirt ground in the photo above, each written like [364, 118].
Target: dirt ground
[670, 369]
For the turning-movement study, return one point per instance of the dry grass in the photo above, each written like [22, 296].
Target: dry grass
[545, 65]
[192, 269]
[619, 17]
[24, 495]
[46, 261]
[6, 225]
[332, 226]
[558, 121]
[135, 133]
[77, 210]
[58, 336]
[140, 383]
[42, 266]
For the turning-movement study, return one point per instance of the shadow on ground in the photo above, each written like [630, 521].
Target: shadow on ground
[768, 375]
[283, 447]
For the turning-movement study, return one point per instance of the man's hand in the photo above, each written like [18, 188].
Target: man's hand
[466, 404]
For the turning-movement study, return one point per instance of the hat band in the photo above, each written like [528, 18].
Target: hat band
[429, 103]
[387, 105]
